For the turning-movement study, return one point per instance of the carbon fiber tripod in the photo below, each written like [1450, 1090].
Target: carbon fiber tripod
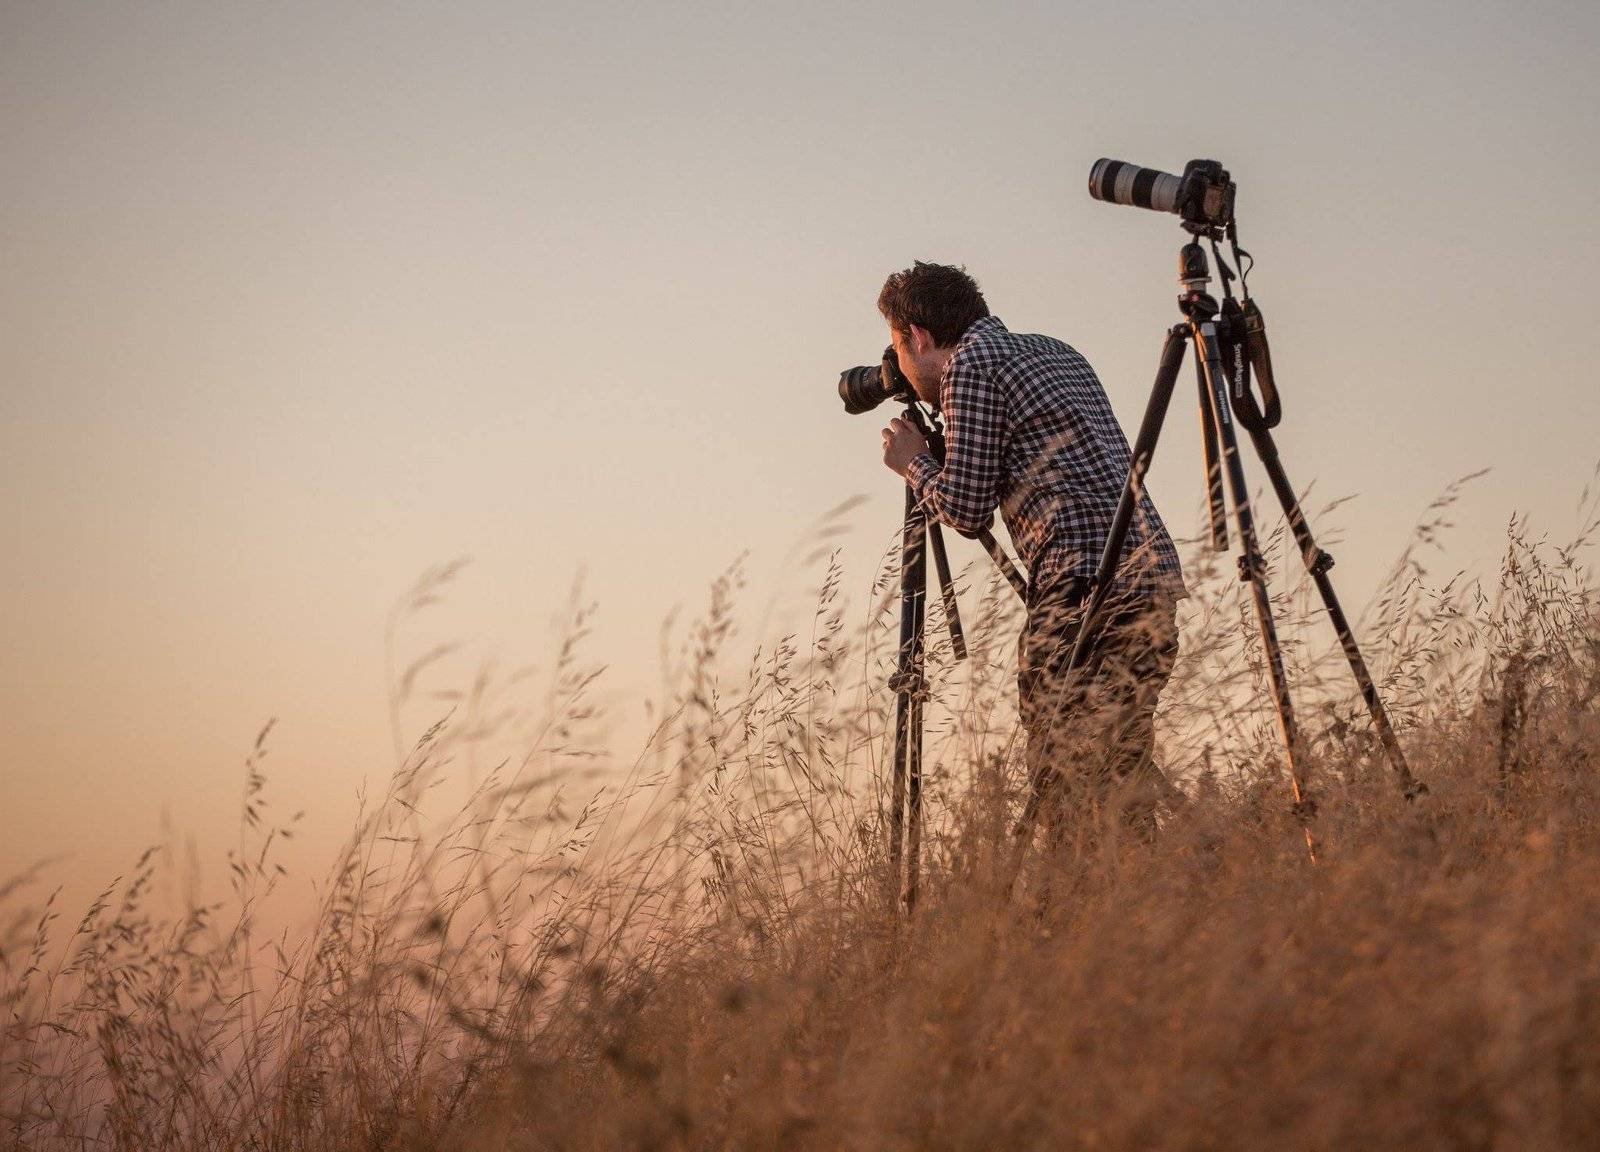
[1229, 341]
[909, 683]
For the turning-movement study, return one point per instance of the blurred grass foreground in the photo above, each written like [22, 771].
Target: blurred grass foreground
[699, 948]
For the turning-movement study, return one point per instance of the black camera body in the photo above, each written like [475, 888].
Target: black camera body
[863, 389]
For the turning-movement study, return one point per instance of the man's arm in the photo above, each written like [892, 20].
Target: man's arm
[963, 493]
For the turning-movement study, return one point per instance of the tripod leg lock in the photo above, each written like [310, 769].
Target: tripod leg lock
[912, 684]
[1317, 561]
[1252, 566]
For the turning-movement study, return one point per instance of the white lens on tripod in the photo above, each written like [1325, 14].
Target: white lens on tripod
[1122, 183]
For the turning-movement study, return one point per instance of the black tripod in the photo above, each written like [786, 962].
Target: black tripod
[908, 682]
[1228, 341]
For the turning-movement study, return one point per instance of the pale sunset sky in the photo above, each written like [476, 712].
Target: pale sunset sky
[300, 299]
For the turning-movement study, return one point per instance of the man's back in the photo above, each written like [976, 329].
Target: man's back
[1029, 430]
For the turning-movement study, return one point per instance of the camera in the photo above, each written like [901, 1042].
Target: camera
[863, 389]
[1203, 195]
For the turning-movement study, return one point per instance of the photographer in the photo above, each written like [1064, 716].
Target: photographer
[1028, 429]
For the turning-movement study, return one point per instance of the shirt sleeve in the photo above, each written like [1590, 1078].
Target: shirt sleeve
[963, 494]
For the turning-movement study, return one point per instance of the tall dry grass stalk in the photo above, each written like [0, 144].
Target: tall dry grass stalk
[699, 949]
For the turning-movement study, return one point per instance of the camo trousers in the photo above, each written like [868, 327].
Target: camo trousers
[1091, 735]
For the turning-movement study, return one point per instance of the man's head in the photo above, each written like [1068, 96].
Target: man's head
[928, 307]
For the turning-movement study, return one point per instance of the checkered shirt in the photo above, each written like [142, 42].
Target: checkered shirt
[1028, 429]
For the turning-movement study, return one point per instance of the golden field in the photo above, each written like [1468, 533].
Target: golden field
[700, 948]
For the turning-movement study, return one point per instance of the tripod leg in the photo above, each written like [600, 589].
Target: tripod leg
[906, 790]
[947, 591]
[913, 807]
[1213, 464]
[1003, 562]
[897, 792]
[1317, 564]
[1251, 565]
[1144, 447]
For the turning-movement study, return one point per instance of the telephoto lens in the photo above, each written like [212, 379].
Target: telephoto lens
[863, 389]
[1118, 182]
[1202, 195]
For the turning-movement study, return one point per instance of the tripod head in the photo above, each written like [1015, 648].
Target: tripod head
[1241, 328]
[1194, 273]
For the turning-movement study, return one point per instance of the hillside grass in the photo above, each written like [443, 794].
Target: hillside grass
[703, 948]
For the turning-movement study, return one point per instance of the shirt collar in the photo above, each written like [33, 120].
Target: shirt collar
[980, 328]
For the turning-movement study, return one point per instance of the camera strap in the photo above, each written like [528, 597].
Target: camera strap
[1246, 341]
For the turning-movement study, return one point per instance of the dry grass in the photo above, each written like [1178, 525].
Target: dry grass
[705, 954]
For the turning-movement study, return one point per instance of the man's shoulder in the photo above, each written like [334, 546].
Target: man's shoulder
[991, 343]
[1002, 355]
[989, 338]
[1036, 344]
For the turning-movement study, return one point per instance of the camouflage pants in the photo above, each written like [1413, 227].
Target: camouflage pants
[1091, 735]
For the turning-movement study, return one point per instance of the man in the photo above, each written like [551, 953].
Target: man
[1028, 429]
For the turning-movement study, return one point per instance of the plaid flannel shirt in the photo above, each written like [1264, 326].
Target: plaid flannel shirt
[1028, 429]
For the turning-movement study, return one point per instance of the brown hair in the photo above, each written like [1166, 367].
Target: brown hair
[939, 297]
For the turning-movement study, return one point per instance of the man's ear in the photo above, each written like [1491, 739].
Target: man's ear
[922, 341]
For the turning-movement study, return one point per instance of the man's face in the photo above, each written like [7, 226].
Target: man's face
[922, 363]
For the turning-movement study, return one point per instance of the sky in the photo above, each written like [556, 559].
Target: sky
[301, 299]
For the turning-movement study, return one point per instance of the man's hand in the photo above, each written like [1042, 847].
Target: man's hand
[902, 443]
